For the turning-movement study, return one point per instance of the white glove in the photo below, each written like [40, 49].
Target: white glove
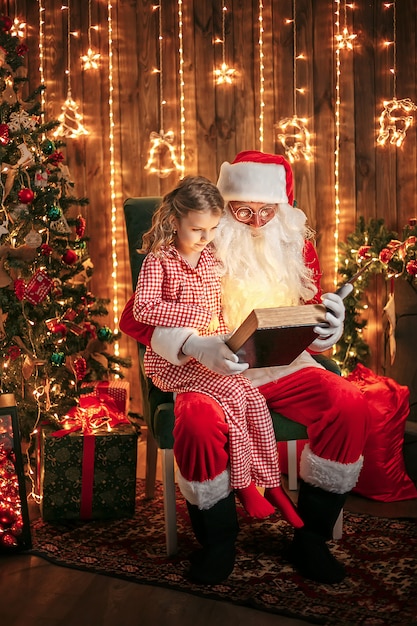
[331, 331]
[213, 353]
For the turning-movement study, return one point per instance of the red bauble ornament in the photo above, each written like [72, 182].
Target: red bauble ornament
[14, 353]
[80, 367]
[60, 329]
[411, 268]
[56, 158]
[46, 249]
[69, 257]
[7, 516]
[364, 252]
[386, 255]
[21, 49]
[6, 23]
[8, 540]
[19, 288]
[25, 195]
[4, 134]
[17, 528]
[80, 226]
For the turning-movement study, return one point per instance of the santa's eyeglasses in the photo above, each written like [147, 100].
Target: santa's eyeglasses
[246, 214]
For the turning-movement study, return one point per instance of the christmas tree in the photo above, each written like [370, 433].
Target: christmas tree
[51, 340]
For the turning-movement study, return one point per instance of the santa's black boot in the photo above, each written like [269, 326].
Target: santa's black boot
[216, 530]
[309, 552]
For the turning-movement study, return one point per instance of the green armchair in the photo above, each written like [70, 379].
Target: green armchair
[158, 406]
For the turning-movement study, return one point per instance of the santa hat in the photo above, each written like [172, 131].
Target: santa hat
[257, 177]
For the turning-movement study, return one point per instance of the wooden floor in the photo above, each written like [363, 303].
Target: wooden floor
[36, 593]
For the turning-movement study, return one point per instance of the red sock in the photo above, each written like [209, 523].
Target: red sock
[278, 497]
[254, 502]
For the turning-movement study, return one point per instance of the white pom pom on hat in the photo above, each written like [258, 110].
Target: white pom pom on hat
[257, 177]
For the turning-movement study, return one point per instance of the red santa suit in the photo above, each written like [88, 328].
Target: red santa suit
[332, 409]
[268, 266]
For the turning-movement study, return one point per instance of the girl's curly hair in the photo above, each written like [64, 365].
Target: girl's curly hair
[193, 193]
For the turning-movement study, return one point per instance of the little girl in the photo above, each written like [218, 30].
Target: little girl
[178, 285]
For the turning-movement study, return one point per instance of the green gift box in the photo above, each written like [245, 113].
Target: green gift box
[88, 476]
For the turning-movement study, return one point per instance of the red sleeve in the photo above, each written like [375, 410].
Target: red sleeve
[312, 261]
[140, 332]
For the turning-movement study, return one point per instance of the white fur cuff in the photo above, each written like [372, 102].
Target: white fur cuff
[248, 181]
[207, 493]
[329, 475]
[167, 342]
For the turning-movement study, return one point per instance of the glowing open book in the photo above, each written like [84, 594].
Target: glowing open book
[276, 336]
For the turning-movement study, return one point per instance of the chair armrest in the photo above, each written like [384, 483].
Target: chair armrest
[163, 425]
[327, 362]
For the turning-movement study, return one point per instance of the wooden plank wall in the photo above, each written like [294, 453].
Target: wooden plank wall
[221, 120]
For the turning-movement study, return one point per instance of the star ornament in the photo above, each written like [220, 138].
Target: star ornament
[224, 74]
[90, 60]
[345, 40]
[18, 28]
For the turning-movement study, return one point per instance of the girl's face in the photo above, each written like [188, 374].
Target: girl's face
[194, 232]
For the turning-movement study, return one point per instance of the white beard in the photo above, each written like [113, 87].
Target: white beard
[263, 267]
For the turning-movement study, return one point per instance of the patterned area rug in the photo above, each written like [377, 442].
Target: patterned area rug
[380, 557]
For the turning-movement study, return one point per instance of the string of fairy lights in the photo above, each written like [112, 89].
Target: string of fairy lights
[112, 182]
[90, 60]
[162, 158]
[292, 131]
[71, 121]
[397, 114]
[261, 77]
[337, 145]
[41, 56]
[343, 40]
[182, 88]
[223, 74]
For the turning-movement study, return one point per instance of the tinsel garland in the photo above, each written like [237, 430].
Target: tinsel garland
[394, 256]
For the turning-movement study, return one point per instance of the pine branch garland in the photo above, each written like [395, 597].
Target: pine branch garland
[393, 258]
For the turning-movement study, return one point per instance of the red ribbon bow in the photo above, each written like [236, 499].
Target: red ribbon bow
[401, 246]
[92, 414]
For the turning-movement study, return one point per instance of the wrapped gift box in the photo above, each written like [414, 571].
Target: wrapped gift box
[88, 470]
[118, 390]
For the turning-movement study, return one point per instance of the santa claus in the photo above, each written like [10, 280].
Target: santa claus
[267, 259]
